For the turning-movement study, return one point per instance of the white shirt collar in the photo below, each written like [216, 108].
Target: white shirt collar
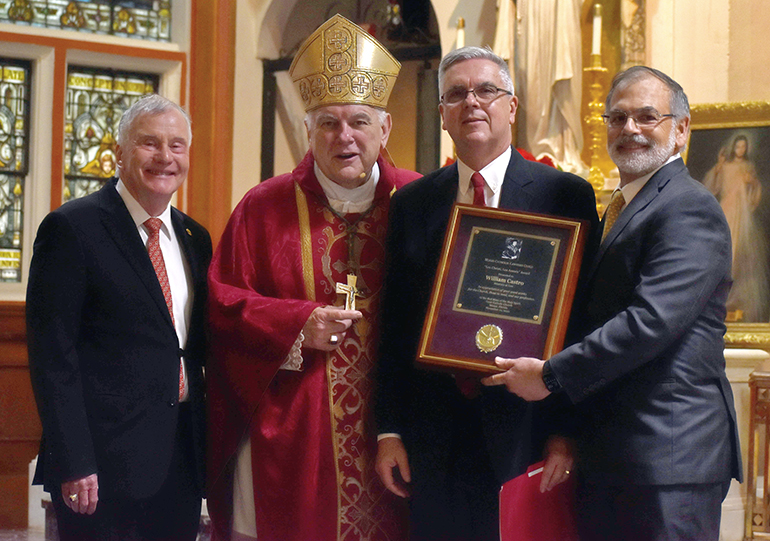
[349, 200]
[138, 214]
[633, 188]
[493, 173]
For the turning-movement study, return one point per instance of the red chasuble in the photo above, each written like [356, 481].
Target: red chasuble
[312, 435]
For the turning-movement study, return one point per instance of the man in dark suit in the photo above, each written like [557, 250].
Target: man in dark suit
[115, 315]
[455, 448]
[660, 443]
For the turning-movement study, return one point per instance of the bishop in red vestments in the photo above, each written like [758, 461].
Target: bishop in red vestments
[295, 289]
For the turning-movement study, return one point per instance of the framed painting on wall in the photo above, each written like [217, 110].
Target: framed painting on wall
[729, 152]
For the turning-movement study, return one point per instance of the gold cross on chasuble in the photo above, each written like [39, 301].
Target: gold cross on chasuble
[350, 292]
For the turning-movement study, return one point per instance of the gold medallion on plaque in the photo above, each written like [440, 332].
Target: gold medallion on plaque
[488, 338]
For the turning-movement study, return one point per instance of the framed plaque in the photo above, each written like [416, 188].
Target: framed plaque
[504, 287]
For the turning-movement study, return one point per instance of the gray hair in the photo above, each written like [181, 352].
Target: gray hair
[311, 116]
[152, 104]
[474, 53]
[680, 106]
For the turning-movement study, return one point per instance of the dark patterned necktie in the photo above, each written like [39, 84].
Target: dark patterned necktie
[613, 211]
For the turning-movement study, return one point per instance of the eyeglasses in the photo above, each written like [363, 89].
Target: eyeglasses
[644, 119]
[483, 93]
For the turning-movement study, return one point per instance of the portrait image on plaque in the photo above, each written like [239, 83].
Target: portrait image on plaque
[504, 287]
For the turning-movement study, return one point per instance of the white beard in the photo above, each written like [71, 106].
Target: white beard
[642, 163]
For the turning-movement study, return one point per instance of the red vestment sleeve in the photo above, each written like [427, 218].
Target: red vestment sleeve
[257, 308]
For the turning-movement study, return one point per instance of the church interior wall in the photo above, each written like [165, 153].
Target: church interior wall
[748, 76]
[247, 98]
[716, 49]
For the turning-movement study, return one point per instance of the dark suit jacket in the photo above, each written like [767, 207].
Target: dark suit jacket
[650, 375]
[418, 404]
[103, 353]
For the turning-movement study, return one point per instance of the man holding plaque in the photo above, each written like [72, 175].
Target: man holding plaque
[449, 449]
[659, 440]
[290, 383]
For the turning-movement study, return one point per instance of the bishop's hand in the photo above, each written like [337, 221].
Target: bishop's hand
[326, 327]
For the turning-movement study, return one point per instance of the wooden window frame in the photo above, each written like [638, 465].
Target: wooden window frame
[51, 52]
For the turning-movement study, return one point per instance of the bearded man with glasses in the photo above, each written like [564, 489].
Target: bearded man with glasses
[659, 440]
[447, 443]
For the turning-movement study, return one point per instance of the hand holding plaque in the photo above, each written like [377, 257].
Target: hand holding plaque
[504, 287]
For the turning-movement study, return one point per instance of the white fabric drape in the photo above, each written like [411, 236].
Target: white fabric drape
[549, 80]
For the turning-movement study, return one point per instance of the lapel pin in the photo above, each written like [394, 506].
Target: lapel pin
[189, 232]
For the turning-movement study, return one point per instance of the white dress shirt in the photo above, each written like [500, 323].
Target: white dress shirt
[493, 173]
[633, 188]
[177, 268]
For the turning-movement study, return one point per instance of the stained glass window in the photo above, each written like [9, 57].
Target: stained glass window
[143, 19]
[96, 99]
[14, 156]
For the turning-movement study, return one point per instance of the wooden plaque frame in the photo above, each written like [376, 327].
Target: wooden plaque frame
[523, 298]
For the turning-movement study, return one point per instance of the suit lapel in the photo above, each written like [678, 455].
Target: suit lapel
[444, 195]
[516, 192]
[638, 204]
[121, 227]
[185, 238]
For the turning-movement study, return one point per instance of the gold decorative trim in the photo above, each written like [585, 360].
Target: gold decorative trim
[739, 114]
[335, 442]
[748, 335]
[306, 242]
[340, 63]
[308, 275]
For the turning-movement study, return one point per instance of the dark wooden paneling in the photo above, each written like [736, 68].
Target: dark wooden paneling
[19, 424]
[13, 509]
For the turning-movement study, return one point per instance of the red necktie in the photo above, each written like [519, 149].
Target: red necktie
[153, 226]
[478, 189]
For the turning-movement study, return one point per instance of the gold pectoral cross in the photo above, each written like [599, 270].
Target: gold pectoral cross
[350, 292]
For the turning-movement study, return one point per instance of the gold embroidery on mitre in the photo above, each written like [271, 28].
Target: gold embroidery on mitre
[340, 63]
